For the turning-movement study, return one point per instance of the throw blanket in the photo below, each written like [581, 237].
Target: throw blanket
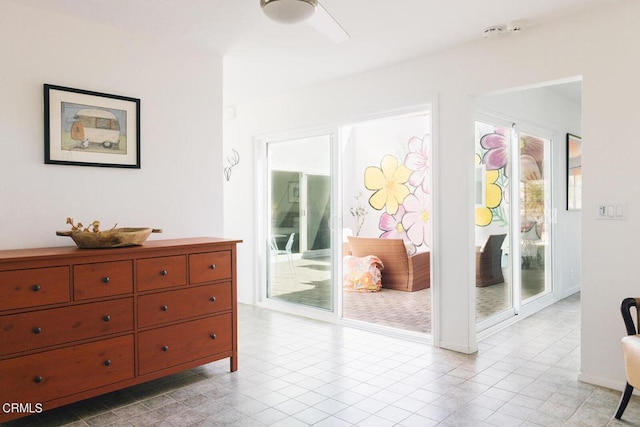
[362, 274]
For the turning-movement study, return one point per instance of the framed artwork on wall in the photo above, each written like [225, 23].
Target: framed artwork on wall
[87, 128]
[294, 192]
[574, 172]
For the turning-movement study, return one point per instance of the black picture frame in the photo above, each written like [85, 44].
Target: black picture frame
[574, 172]
[86, 128]
[294, 191]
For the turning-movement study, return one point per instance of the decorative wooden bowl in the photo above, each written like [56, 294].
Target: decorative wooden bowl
[114, 238]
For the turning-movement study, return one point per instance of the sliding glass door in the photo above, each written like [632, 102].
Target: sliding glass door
[493, 230]
[382, 194]
[299, 234]
[536, 215]
[387, 217]
[514, 217]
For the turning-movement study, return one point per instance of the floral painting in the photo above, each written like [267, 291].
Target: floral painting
[492, 152]
[402, 192]
[388, 183]
[493, 198]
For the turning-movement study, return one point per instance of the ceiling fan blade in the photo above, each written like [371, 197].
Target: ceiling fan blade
[324, 23]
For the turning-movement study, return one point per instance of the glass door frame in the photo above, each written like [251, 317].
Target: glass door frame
[263, 215]
[433, 338]
[536, 302]
[519, 307]
[511, 312]
[261, 225]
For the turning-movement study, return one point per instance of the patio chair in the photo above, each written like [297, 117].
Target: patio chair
[530, 238]
[401, 271]
[631, 350]
[287, 251]
[489, 261]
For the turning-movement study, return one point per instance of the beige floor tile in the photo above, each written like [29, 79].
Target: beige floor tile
[327, 375]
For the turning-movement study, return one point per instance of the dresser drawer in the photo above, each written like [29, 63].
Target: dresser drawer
[209, 266]
[28, 331]
[162, 272]
[154, 309]
[173, 345]
[102, 279]
[45, 376]
[34, 287]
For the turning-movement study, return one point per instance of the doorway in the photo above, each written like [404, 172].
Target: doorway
[514, 221]
[520, 198]
[387, 221]
[374, 182]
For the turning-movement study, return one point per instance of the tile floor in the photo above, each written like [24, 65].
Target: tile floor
[299, 372]
[308, 281]
[410, 311]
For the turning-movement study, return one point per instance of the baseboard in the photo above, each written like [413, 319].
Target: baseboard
[570, 292]
[602, 382]
[457, 347]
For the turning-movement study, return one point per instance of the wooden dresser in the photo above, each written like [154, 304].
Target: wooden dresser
[76, 323]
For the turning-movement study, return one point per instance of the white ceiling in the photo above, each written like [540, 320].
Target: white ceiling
[262, 57]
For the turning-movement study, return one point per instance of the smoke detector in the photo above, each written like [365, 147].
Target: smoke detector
[516, 26]
[493, 31]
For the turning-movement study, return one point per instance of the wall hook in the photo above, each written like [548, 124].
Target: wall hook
[233, 160]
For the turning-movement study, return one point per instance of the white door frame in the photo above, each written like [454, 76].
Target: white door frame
[263, 217]
[520, 310]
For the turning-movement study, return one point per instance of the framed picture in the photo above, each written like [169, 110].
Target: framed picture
[574, 172]
[87, 128]
[294, 192]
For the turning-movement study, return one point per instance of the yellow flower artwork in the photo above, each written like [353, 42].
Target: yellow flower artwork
[493, 197]
[389, 183]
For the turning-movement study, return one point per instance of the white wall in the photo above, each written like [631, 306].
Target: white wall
[178, 188]
[596, 46]
[312, 158]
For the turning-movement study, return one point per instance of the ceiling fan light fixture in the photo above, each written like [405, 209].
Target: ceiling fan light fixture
[289, 11]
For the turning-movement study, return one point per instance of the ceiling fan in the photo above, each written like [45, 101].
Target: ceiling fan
[295, 11]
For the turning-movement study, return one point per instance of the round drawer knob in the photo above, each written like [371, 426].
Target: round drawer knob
[213, 336]
[107, 362]
[35, 288]
[37, 379]
[164, 308]
[212, 266]
[37, 330]
[106, 318]
[165, 348]
[163, 273]
[212, 299]
[106, 279]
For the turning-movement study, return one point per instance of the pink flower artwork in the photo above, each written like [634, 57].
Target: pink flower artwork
[391, 225]
[418, 161]
[497, 146]
[417, 217]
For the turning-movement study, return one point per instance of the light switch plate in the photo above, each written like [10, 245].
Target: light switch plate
[612, 211]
